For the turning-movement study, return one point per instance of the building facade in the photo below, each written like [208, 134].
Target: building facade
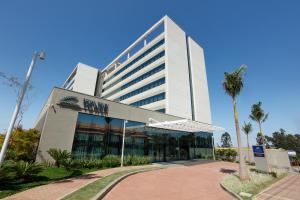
[163, 70]
[155, 92]
[91, 127]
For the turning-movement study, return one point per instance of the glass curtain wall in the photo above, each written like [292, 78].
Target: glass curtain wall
[97, 136]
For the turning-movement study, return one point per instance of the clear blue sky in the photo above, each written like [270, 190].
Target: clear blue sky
[265, 35]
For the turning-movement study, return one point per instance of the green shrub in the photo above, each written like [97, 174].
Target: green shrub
[136, 160]
[25, 170]
[273, 174]
[78, 164]
[59, 155]
[110, 161]
[226, 154]
[7, 172]
[97, 164]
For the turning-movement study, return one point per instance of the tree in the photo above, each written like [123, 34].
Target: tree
[22, 145]
[226, 140]
[247, 129]
[16, 84]
[258, 115]
[260, 139]
[281, 139]
[233, 84]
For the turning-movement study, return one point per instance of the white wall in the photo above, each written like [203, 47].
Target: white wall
[199, 82]
[178, 100]
[85, 79]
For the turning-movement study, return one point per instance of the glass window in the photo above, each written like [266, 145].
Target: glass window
[142, 89]
[148, 100]
[155, 46]
[96, 136]
[138, 68]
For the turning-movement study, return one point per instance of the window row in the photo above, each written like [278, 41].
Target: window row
[163, 110]
[148, 100]
[155, 46]
[145, 64]
[142, 89]
[70, 84]
[138, 79]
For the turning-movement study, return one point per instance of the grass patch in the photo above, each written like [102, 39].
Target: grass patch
[92, 189]
[258, 182]
[48, 175]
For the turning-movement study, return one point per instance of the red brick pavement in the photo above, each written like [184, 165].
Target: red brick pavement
[285, 189]
[183, 182]
[60, 189]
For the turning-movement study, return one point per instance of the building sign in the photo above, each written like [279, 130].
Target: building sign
[95, 107]
[69, 102]
[88, 105]
[258, 151]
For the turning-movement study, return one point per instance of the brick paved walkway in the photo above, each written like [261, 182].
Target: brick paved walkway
[188, 181]
[285, 189]
[60, 189]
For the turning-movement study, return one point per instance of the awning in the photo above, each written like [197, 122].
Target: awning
[186, 125]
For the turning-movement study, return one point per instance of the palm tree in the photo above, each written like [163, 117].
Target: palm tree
[59, 156]
[247, 129]
[258, 115]
[233, 84]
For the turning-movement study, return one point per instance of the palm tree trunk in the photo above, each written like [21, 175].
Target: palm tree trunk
[262, 134]
[242, 165]
[248, 148]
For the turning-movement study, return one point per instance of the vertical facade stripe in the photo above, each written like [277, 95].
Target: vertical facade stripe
[190, 78]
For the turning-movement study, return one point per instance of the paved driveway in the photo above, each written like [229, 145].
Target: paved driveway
[188, 181]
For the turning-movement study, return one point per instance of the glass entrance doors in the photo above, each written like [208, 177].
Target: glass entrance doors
[96, 136]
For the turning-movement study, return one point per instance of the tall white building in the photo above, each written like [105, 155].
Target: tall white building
[163, 70]
[82, 79]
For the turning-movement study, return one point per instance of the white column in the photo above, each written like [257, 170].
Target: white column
[123, 143]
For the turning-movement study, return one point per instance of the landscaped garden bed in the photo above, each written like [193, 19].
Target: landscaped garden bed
[258, 182]
[19, 175]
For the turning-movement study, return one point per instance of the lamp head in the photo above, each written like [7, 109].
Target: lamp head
[42, 55]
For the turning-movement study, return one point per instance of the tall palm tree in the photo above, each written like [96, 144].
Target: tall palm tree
[258, 115]
[247, 129]
[233, 84]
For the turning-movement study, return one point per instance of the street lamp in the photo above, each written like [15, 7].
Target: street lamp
[123, 143]
[41, 56]
[213, 146]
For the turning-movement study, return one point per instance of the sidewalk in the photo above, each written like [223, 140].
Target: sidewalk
[286, 189]
[62, 188]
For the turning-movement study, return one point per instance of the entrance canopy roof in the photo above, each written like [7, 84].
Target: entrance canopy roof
[185, 125]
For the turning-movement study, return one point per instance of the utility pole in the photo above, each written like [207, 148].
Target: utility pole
[41, 56]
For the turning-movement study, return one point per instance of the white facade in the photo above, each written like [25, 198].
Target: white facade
[167, 74]
[83, 79]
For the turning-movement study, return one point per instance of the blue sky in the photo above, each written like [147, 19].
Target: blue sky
[265, 35]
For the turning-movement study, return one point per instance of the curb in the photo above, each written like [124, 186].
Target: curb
[230, 192]
[109, 187]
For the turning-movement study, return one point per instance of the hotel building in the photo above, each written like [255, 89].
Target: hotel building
[155, 90]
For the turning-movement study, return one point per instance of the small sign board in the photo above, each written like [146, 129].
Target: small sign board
[258, 151]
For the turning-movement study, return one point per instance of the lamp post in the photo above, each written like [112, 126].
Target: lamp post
[40, 55]
[123, 143]
[213, 146]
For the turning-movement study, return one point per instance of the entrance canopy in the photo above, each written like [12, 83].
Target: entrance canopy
[185, 125]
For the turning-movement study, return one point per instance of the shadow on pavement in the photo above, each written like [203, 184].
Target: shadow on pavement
[227, 171]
